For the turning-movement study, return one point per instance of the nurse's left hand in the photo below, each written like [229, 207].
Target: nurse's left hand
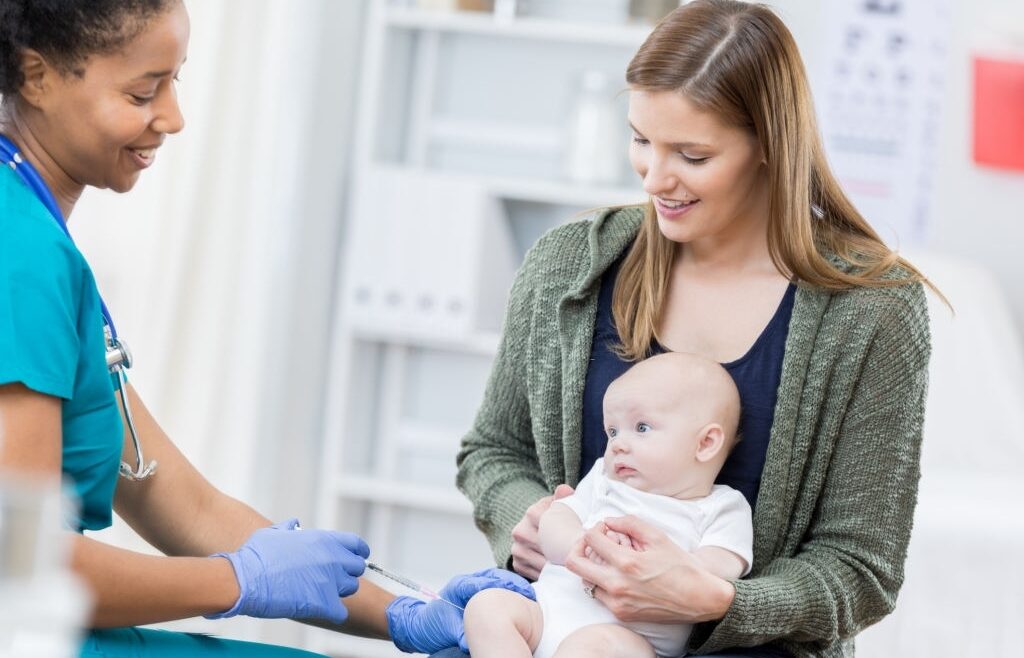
[420, 627]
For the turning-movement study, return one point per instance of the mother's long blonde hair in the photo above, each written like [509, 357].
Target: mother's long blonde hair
[740, 62]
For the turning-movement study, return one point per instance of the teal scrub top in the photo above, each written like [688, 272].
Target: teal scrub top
[51, 341]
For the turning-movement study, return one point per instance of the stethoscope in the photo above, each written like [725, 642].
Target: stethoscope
[118, 357]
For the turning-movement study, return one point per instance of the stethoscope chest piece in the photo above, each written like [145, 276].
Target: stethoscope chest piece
[119, 359]
[118, 355]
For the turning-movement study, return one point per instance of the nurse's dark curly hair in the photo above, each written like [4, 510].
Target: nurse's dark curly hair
[67, 32]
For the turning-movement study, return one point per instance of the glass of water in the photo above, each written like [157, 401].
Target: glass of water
[43, 606]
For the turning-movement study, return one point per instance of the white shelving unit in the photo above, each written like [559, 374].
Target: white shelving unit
[483, 23]
[458, 169]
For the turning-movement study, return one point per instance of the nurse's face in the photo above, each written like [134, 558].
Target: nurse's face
[104, 127]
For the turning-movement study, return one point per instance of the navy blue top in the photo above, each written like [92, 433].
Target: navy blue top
[756, 374]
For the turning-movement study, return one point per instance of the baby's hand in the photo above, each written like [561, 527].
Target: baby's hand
[619, 538]
[587, 551]
[594, 557]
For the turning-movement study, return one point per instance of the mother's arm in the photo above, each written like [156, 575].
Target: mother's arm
[498, 467]
[849, 569]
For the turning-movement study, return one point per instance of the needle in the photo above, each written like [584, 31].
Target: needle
[414, 586]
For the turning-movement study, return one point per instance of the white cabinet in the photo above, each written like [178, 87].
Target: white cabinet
[460, 164]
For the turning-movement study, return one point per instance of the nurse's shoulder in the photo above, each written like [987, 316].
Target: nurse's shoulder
[33, 245]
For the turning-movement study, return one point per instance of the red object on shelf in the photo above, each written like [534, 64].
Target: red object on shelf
[999, 112]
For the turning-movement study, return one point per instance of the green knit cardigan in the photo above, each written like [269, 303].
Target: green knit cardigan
[840, 479]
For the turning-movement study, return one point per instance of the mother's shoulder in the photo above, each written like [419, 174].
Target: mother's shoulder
[898, 288]
[604, 230]
[897, 311]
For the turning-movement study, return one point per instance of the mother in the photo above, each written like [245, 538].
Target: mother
[748, 253]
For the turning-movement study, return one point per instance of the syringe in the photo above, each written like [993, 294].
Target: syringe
[405, 582]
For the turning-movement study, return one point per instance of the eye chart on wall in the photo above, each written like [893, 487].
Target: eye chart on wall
[879, 93]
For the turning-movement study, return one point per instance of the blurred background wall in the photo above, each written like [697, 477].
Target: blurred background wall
[226, 268]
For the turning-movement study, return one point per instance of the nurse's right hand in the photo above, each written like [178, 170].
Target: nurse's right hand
[527, 559]
[285, 572]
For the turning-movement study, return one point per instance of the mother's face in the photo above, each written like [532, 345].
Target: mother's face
[706, 178]
[102, 128]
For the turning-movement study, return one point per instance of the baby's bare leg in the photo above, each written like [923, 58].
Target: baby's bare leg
[604, 641]
[502, 623]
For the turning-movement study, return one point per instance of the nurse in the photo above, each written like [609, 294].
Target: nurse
[88, 97]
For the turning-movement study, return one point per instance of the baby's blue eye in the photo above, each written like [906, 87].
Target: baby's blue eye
[612, 432]
[643, 427]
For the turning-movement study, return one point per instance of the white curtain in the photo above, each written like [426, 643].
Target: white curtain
[219, 268]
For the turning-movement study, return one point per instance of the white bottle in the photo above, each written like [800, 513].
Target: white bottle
[595, 148]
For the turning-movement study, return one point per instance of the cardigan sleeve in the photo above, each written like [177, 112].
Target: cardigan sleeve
[849, 569]
[497, 464]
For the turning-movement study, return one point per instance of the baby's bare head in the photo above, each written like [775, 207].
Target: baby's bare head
[686, 383]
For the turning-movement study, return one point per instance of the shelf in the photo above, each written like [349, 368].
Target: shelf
[561, 192]
[439, 119]
[427, 436]
[482, 344]
[503, 135]
[401, 494]
[486, 24]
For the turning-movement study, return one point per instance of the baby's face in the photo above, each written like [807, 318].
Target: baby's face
[652, 440]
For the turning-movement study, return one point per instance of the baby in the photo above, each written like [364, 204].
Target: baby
[671, 421]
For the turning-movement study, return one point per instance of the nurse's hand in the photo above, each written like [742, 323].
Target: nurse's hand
[419, 627]
[527, 558]
[283, 571]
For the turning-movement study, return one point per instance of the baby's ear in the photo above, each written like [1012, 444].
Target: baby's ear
[710, 441]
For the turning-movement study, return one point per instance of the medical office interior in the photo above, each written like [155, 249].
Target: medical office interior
[313, 276]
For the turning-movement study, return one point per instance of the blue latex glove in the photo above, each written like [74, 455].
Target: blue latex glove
[284, 571]
[420, 627]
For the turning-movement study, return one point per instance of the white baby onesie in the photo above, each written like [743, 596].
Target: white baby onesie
[722, 518]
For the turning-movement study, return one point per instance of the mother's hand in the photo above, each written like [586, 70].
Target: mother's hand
[651, 581]
[527, 558]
